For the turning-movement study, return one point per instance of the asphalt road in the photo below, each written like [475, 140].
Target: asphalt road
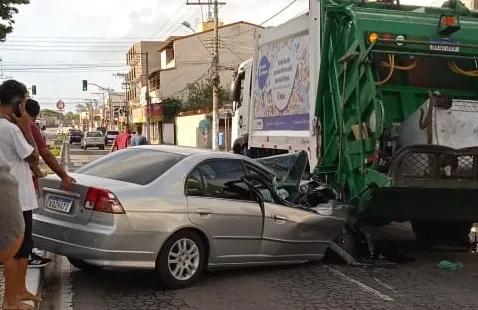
[414, 284]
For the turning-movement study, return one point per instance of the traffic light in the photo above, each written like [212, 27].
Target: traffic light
[34, 90]
[85, 85]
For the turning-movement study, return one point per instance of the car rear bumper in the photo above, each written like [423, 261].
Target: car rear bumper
[96, 244]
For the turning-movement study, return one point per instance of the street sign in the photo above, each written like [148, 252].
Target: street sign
[204, 127]
[60, 105]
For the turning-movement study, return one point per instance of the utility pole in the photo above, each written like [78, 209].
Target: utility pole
[148, 101]
[215, 69]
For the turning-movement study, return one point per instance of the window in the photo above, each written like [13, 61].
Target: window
[194, 185]
[138, 166]
[95, 134]
[223, 179]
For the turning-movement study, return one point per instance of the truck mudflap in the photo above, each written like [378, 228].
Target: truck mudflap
[428, 182]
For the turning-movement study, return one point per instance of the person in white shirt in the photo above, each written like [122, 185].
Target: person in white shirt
[18, 148]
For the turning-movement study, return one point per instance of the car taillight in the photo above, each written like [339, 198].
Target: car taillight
[102, 200]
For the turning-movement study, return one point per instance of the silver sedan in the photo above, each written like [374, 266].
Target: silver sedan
[179, 211]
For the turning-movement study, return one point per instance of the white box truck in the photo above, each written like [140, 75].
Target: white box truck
[274, 93]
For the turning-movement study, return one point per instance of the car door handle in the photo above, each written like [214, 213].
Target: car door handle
[203, 211]
[279, 217]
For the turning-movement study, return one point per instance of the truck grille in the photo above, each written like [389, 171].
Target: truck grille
[435, 162]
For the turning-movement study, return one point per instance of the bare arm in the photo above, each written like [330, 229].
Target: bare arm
[52, 162]
[114, 146]
[34, 158]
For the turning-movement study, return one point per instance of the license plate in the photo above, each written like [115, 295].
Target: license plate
[437, 45]
[59, 204]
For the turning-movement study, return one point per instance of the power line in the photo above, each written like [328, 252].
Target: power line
[266, 21]
[181, 6]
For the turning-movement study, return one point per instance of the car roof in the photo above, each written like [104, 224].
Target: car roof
[199, 153]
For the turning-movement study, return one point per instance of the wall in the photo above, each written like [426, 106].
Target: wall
[188, 133]
[192, 60]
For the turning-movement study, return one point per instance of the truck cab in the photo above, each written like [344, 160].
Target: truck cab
[241, 99]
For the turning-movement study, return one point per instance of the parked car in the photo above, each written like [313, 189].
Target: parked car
[93, 139]
[110, 136]
[75, 136]
[180, 210]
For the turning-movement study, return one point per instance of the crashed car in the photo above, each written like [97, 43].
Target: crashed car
[181, 210]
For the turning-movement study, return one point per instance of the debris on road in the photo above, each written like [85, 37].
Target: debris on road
[444, 264]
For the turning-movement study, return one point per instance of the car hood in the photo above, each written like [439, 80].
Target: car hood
[290, 169]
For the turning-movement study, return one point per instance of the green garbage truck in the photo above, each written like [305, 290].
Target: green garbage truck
[395, 117]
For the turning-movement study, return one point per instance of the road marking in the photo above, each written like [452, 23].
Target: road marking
[385, 285]
[359, 284]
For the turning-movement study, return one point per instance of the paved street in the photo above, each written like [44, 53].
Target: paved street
[415, 284]
[79, 157]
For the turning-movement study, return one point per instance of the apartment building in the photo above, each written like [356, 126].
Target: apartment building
[142, 58]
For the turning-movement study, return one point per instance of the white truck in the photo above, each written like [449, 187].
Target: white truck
[274, 93]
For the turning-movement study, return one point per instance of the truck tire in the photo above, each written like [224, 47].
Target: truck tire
[442, 232]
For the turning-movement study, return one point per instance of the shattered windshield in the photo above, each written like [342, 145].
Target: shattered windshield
[289, 168]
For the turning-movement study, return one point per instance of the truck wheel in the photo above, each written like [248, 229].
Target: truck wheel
[442, 232]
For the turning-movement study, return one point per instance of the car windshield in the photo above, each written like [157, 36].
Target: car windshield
[75, 132]
[94, 134]
[138, 166]
[113, 133]
[290, 168]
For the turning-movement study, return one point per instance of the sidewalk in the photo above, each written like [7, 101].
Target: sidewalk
[34, 276]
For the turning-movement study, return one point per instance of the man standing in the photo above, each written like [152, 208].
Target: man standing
[138, 138]
[32, 107]
[122, 141]
[19, 150]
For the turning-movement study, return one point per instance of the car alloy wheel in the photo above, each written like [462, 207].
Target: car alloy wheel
[181, 261]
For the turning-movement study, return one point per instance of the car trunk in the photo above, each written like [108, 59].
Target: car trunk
[70, 206]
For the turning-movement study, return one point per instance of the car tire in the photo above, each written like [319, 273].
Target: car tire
[84, 266]
[102, 148]
[168, 273]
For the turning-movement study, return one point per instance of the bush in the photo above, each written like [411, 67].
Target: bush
[55, 151]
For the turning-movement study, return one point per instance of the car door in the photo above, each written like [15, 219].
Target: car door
[221, 203]
[293, 234]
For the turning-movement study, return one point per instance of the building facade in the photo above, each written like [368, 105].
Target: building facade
[115, 112]
[188, 59]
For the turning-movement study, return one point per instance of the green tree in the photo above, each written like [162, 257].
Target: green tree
[7, 10]
[171, 108]
[200, 96]
[72, 116]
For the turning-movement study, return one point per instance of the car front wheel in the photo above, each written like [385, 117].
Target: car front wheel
[181, 260]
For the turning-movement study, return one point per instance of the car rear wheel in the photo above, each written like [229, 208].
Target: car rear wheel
[181, 260]
[84, 266]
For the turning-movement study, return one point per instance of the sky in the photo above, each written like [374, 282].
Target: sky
[58, 43]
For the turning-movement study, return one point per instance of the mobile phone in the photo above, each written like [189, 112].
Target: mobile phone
[16, 108]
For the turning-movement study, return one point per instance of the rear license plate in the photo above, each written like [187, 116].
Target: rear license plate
[451, 46]
[59, 204]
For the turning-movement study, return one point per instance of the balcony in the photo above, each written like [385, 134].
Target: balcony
[133, 57]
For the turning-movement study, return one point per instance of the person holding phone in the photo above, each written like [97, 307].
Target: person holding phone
[32, 107]
[19, 150]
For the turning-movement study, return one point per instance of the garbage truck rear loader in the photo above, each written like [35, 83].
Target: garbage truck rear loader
[397, 114]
